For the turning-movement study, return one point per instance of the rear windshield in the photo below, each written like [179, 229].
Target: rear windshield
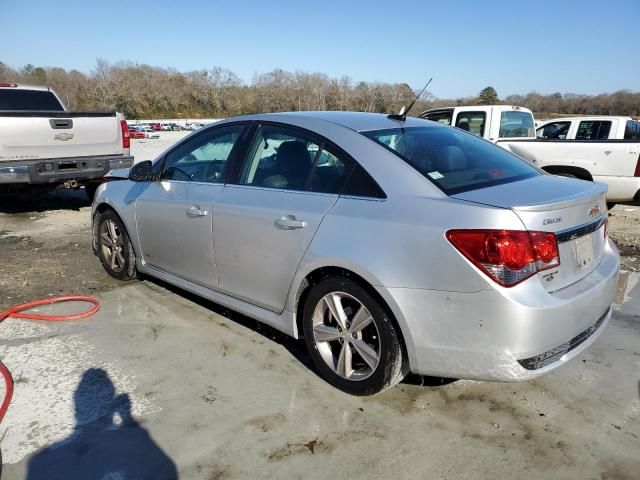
[29, 100]
[452, 159]
[514, 124]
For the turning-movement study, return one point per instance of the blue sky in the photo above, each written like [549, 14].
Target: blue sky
[516, 46]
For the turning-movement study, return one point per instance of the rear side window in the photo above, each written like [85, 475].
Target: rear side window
[29, 100]
[632, 130]
[515, 123]
[360, 184]
[289, 159]
[472, 122]
[443, 116]
[453, 160]
[556, 130]
[593, 130]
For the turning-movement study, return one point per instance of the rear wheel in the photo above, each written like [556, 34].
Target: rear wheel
[114, 247]
[351, 339]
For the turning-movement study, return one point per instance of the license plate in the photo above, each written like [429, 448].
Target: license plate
[584, 251]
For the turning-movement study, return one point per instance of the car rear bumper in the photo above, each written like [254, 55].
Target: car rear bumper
[55, 170]
[506, 334]
[621, 189]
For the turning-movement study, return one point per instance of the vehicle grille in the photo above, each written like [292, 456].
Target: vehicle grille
[550, 356]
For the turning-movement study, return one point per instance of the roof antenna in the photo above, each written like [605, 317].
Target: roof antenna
[402, 116]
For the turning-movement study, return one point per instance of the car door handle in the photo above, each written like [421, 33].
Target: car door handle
[196, 212]
[289, 222]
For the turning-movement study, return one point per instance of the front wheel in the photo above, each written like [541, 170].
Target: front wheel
[351, 339]
[114, 247]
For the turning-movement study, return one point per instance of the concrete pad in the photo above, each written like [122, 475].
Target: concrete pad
[159, 382]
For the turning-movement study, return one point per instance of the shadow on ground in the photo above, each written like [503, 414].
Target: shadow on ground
[107, 443]
[42, 200]
[296, 348]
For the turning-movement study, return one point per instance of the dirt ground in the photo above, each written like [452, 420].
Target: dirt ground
[215, 395]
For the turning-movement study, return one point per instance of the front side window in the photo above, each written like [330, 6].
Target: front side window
[593, 130]
[202, 158]
[453, 160]
[515, 124]
[472, 122]
[290, 159]
[557, 130]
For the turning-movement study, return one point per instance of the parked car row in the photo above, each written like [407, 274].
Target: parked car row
[141, 131]
[167, 127]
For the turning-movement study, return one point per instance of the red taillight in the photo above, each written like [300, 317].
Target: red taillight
[126, 140]
[507, 256]
[637, 172]
[9, 85]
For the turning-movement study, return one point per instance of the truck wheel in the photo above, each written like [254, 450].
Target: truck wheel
[351, 339]
[114, 247]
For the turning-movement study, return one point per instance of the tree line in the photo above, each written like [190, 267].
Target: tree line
[143, 91]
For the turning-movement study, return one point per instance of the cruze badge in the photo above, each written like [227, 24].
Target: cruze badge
[550, 221]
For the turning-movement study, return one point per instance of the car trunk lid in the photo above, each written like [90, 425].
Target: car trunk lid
[575, 210]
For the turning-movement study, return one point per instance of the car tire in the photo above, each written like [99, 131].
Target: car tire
[358, 351]
[113, 246]
[564, 174]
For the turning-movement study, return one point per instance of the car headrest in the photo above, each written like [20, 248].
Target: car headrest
[451, 158]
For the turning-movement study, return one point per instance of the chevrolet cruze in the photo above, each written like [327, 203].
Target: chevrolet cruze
[389, 244]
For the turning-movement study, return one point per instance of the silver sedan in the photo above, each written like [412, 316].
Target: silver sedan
[389, 245]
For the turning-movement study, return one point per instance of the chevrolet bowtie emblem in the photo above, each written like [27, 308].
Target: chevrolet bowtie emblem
[63, 136]
[594, 211]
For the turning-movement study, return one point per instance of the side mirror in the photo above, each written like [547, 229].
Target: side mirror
[141, 172]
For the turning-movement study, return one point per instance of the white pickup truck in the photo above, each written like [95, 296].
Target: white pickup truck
[42, 143]
[603, 149]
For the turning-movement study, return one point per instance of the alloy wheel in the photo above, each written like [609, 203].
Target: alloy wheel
[112, 244]
[346, 336]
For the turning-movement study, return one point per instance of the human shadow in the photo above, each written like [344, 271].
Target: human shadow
[99, 447]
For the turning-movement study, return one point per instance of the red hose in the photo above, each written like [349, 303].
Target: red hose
[16, 312]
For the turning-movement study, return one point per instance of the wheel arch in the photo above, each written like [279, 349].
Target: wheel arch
[364, 280]
[101, 208]
[578, 172]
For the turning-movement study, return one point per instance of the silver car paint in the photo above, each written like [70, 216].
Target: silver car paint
[174, 225]
[454, 320]
[256, 257]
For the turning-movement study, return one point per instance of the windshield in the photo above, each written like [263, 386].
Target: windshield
[516, 124]
[29, 100]
[454, 160]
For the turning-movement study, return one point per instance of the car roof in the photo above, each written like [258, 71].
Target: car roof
[357, 121]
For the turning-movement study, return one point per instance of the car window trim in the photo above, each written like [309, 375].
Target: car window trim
[197, 134]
